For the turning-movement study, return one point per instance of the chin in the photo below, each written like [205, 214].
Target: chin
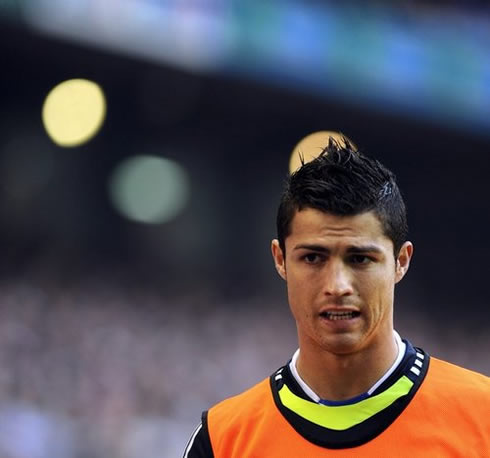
[342, 344]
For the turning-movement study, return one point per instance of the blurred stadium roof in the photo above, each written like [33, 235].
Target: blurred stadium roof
[428, 59]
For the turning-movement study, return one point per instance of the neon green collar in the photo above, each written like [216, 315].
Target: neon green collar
[344, 417]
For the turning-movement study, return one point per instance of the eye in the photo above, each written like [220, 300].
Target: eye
[360, 259]
[313, 258]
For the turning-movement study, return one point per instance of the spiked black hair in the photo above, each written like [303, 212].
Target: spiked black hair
[343, 181]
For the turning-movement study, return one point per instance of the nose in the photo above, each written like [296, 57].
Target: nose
[337, 279]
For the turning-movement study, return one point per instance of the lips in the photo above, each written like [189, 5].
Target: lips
[339, 314]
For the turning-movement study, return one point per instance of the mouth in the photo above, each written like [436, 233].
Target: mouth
[340, 315]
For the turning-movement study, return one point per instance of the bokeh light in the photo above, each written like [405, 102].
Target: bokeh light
[149, 189]
[312, 145]
[73, 112]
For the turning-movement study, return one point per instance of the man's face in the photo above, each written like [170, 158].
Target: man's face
[340, 273]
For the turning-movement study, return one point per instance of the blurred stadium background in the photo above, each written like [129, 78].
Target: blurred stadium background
[136, 284]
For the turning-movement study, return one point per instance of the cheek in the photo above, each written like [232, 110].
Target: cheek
[299, 284]
[298, 297]
[381, 299]
[377, 291]
[294, 294]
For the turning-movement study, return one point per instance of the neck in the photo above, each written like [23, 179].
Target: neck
[337, 377]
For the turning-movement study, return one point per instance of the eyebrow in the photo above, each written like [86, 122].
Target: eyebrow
[351, 249]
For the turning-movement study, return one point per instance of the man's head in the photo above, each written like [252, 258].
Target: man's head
[341, 249]
[344, 182]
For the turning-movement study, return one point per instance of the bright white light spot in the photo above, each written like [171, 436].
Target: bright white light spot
[73, 112]
[311, 146]
[149, 189]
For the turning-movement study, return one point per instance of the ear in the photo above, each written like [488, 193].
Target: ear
[279, 259]
[403, 260]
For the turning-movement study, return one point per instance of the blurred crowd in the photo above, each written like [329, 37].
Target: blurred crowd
[92, 370]
[98, 369]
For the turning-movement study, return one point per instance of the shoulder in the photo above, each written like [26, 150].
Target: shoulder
[457, 376]
[226, 414]
[456, 384]
[199, 445]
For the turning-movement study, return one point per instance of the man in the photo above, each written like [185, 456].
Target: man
[354, 387]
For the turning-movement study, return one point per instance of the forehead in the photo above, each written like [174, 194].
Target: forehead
[314, 225]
